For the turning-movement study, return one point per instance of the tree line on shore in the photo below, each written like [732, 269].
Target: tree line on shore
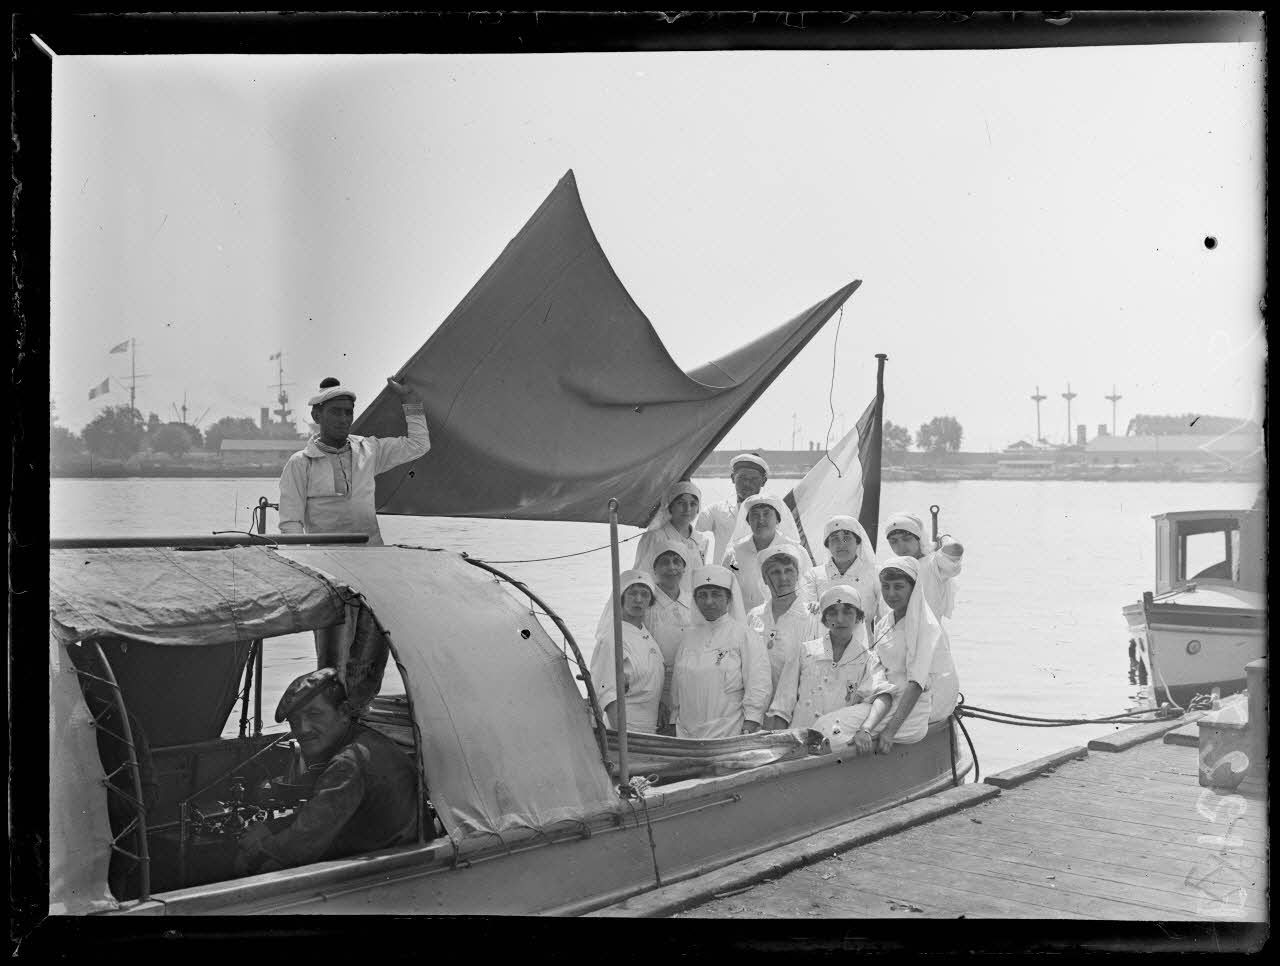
[121, 432]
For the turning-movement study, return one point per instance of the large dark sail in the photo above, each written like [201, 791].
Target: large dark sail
[548, 391]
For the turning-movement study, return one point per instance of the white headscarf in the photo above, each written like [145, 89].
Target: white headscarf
[663, 516]
[847, 594]
[795, 552]
[717, 576]
[902, 520]
[921, 622]
[864, 560]
[628, 578]
[787, 530]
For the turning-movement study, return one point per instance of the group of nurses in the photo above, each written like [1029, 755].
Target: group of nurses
[855, 652]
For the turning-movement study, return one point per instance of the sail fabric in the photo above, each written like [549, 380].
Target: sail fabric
[79, 828]
[845, 482]
[159, 595]
[506, 738]
[548, 391]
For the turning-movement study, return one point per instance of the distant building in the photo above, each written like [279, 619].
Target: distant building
[1186, 449]
[259, 451]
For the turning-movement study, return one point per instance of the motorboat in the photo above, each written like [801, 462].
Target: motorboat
[1206, 617]
[522, 809]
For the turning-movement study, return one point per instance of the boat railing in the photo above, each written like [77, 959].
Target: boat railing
[137, 826]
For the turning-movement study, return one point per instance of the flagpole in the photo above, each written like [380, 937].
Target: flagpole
[619, 677]
[133, 372]
[869, 516]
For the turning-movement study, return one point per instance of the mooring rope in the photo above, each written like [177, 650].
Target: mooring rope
[1034, 721]
[565, 556]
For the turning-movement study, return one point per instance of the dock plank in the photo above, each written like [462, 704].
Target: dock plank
[1169, 816]
[1154, 869]
[1207, 803]
[1124, 827]
[1034, 868]
[1097, 784]
[959, 873]
[935, 899]
[1198, 858]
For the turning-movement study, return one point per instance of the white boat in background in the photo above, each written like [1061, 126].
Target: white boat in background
[1206, 618]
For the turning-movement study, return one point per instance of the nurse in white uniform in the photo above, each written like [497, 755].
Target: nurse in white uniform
[852, 562]
[673, 523]
[767, 517]
[936, 573]
[906, 641]
[748, 472]
[642, 668]
[721, 685]
[671, 613]
[834, 684]
[785, 621]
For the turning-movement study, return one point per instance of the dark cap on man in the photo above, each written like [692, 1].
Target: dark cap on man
[302, 689]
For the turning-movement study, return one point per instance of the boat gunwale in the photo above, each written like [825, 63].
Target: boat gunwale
[443, 854]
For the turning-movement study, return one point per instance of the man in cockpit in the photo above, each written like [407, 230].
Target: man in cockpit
[365, 792]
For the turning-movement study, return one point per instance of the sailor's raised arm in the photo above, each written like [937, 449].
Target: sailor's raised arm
[394, 450]
[293, 496]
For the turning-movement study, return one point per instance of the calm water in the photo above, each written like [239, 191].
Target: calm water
[1037, 629]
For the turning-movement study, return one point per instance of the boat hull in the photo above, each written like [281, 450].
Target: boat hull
[1190, 650]
[676, 832]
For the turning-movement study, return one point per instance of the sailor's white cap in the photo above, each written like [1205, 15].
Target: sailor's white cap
[330, 389]
[750, 459]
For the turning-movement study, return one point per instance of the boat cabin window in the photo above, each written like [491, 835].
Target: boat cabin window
[1208, 550]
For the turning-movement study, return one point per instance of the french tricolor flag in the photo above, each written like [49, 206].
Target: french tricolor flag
[846, 481]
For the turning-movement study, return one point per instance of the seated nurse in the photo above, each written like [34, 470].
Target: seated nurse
[721, 684]
[834, 683]
[642, 667]
[907, 641]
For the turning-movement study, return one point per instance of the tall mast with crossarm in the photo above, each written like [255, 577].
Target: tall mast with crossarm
[1038, 400]
[1068, 396]
[1115, 397]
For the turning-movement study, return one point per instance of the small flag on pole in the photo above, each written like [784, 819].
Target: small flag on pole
[101, 389]
[273, 357]
[121, 347]
[846, 481]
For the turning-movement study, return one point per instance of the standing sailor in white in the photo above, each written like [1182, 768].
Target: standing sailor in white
[765, 515]
[936, 579]
[748, 473]
[329, 486]
[721, 683]
[642, 668]
[852, 562]
[785, 621]
[674, 523]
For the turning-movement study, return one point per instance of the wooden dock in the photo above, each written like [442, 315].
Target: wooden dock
[1103, 835]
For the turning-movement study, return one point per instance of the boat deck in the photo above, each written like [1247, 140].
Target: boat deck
[1104, 835]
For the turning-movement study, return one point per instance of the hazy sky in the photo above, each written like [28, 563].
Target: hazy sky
[1017, 218]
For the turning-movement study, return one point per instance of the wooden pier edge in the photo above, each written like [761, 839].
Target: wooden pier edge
[671, 899]
[1136, 735]
[1033, 769]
